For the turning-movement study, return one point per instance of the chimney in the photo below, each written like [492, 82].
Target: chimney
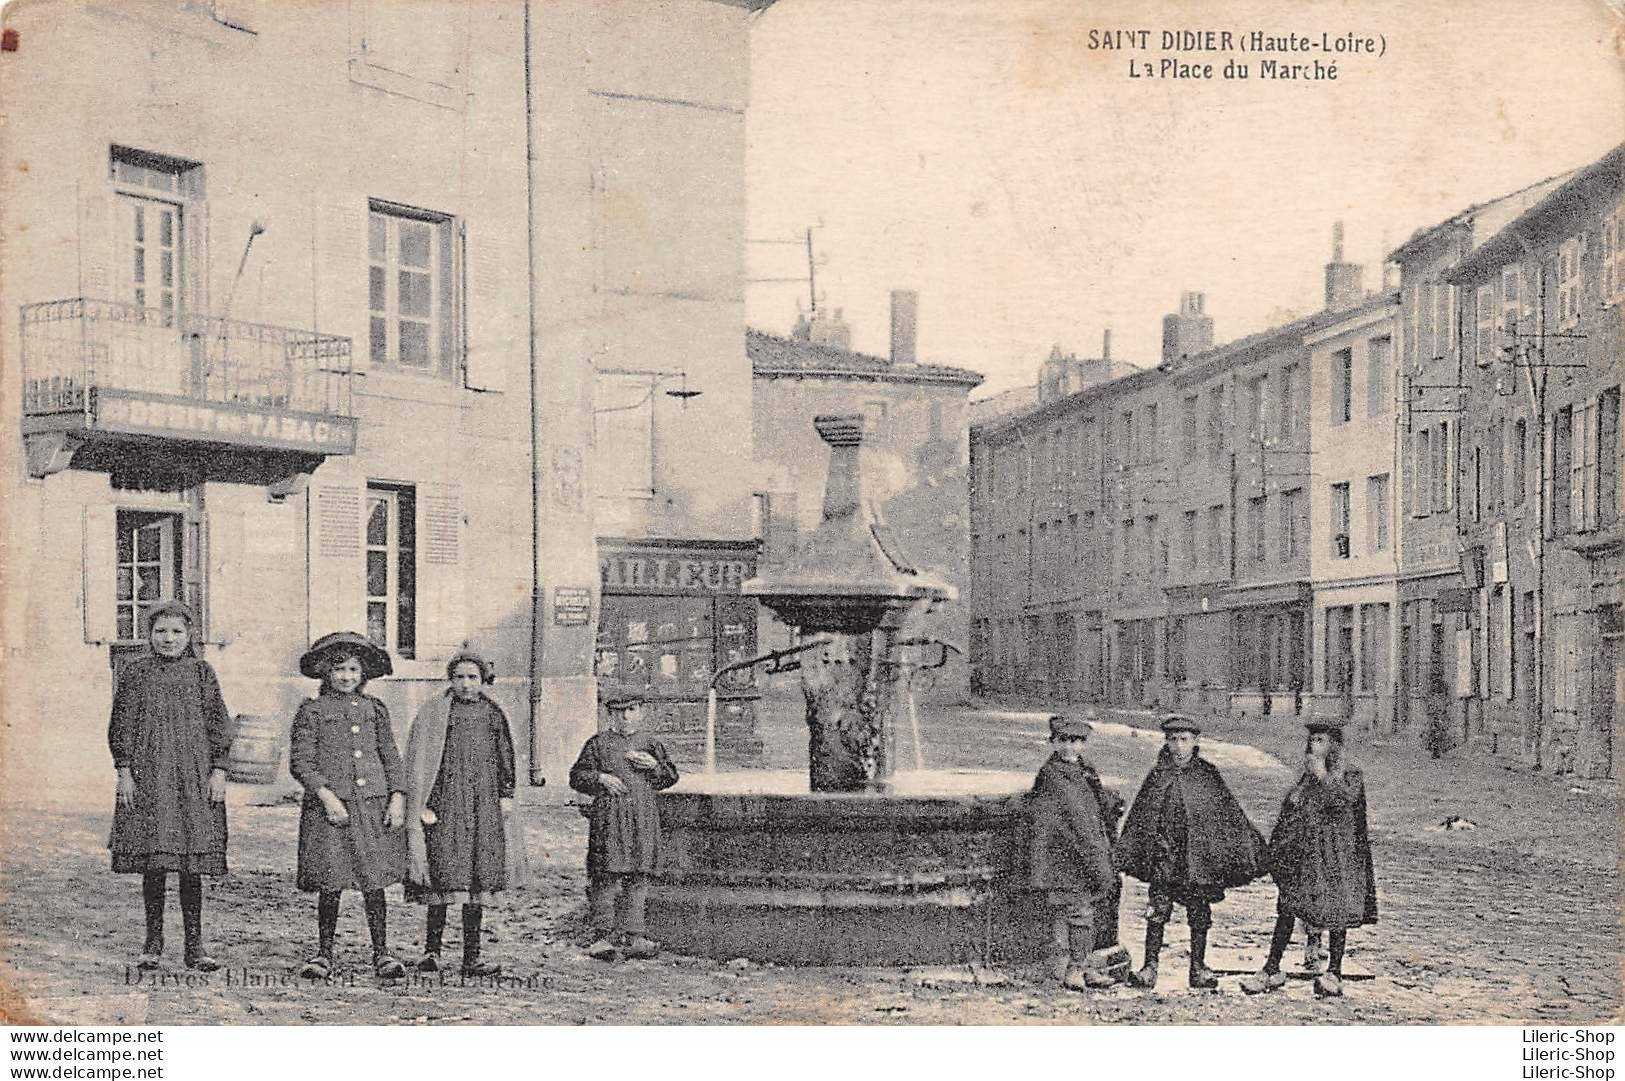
[1106, 345]
[1343, 280]
[1190, 331]
[905, 315]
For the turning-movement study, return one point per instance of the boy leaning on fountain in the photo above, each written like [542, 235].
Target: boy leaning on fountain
[1075, 820]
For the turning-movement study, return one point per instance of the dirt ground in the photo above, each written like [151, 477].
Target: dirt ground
[1515, 920]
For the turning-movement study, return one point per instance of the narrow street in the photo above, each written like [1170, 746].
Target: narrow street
[1517, 919]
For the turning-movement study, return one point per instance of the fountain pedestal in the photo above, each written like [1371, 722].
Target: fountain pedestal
[854, 863]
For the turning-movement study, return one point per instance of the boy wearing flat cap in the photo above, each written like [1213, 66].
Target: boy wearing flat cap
[622, 768]
[1074, 825]
[1189, 840]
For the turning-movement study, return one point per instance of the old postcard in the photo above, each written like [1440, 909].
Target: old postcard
[846, 512]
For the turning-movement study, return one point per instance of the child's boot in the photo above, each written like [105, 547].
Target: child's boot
[1201, 977]
[152, 900]
[1314, 956]
[1146, 976]
[1263, 981]
[1329, 985]
[384, 965]
[192, 920]
[1059, 957]
[639, 947]
[473, 916]
[434, 939]
[1080, 948]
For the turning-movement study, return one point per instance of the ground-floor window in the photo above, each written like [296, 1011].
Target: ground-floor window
[391, 538]
[149, 565]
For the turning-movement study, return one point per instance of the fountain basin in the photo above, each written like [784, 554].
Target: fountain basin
[932, 872]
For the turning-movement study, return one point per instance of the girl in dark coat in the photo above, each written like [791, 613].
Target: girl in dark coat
[170, 735]
[464, 845]
[622, 768]
[1074, 822]
[1320, 857]
[343, 752]
[1189, 840]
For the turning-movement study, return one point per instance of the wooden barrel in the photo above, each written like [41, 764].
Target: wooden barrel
[256, 753]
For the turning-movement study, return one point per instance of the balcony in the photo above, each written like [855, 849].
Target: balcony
[105, 383]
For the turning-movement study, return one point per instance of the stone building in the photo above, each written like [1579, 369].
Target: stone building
[313, 335]
[1540, 508]
[1435, 608]
[917, 450]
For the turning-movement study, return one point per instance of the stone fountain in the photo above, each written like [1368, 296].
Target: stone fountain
[855, 863]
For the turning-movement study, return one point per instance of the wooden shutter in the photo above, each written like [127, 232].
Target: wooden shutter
[1588, 468]
[229, 588]
[336, 583]
[99, 567]
[196, 267]
[341, 273]
[96, 245]
[442, 609]
[496, 335]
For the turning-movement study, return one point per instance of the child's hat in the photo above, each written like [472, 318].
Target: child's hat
[374, 661]
[468, 656]
[1179, 722]
[620, 697]
[169, 608]
[1069, 726]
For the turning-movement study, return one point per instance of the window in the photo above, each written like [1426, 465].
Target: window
[1496, 448]
[1342, 385]
[1511, 305]
[1608, 458]
[1129, 448]
[153, 193]
[1188, 547]
[1187, 428]
[1293, 523]
[1339, 649]
[1215, 422]
[1173, 649]
[1379, 355]
[1498, 657]
[1485, 323]
[1443, 476]
[409, 289]
[1157, 544]
[1613, 254]
[1151, 436]
[1289, 401]
[1340, 521]
[1424, 328]
[1520, 442]
[1125, 541]
[1562, 461]
[1412, 302]
[1569, 286]
[149, 568]
[1421, 477]
[1444, 329]
[623, 438]
[392, 568]
[1376, 510]
[1257, 388]
[1255, 530]
[1218, 556]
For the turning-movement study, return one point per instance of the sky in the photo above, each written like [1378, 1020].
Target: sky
[983, 154]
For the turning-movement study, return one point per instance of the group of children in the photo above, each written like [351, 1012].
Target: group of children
[1188, 840]
[441, 820]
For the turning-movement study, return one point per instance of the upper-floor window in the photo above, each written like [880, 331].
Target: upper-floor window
[1520, 439]
[1340, 521]
[1613, 254]
[1257, 406]
[1188, 539]
[1379, 357]
[1289, 401]
[1151, 435]
[1187, 428]
[1292, 523]
[1215, 421]
[409, 289]
[1424, 328]
[1569, 287]
[1484, 305]
[1342, 386]
[1255, 530]
[153, 195]
[1512, 306]
[1376, 511]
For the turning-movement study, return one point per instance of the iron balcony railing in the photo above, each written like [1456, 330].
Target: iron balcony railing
[71, 346]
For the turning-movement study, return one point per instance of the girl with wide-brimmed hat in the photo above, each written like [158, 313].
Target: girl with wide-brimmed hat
[343, 752]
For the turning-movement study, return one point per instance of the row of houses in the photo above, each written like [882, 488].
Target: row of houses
[426, 322]
[1402, 508]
